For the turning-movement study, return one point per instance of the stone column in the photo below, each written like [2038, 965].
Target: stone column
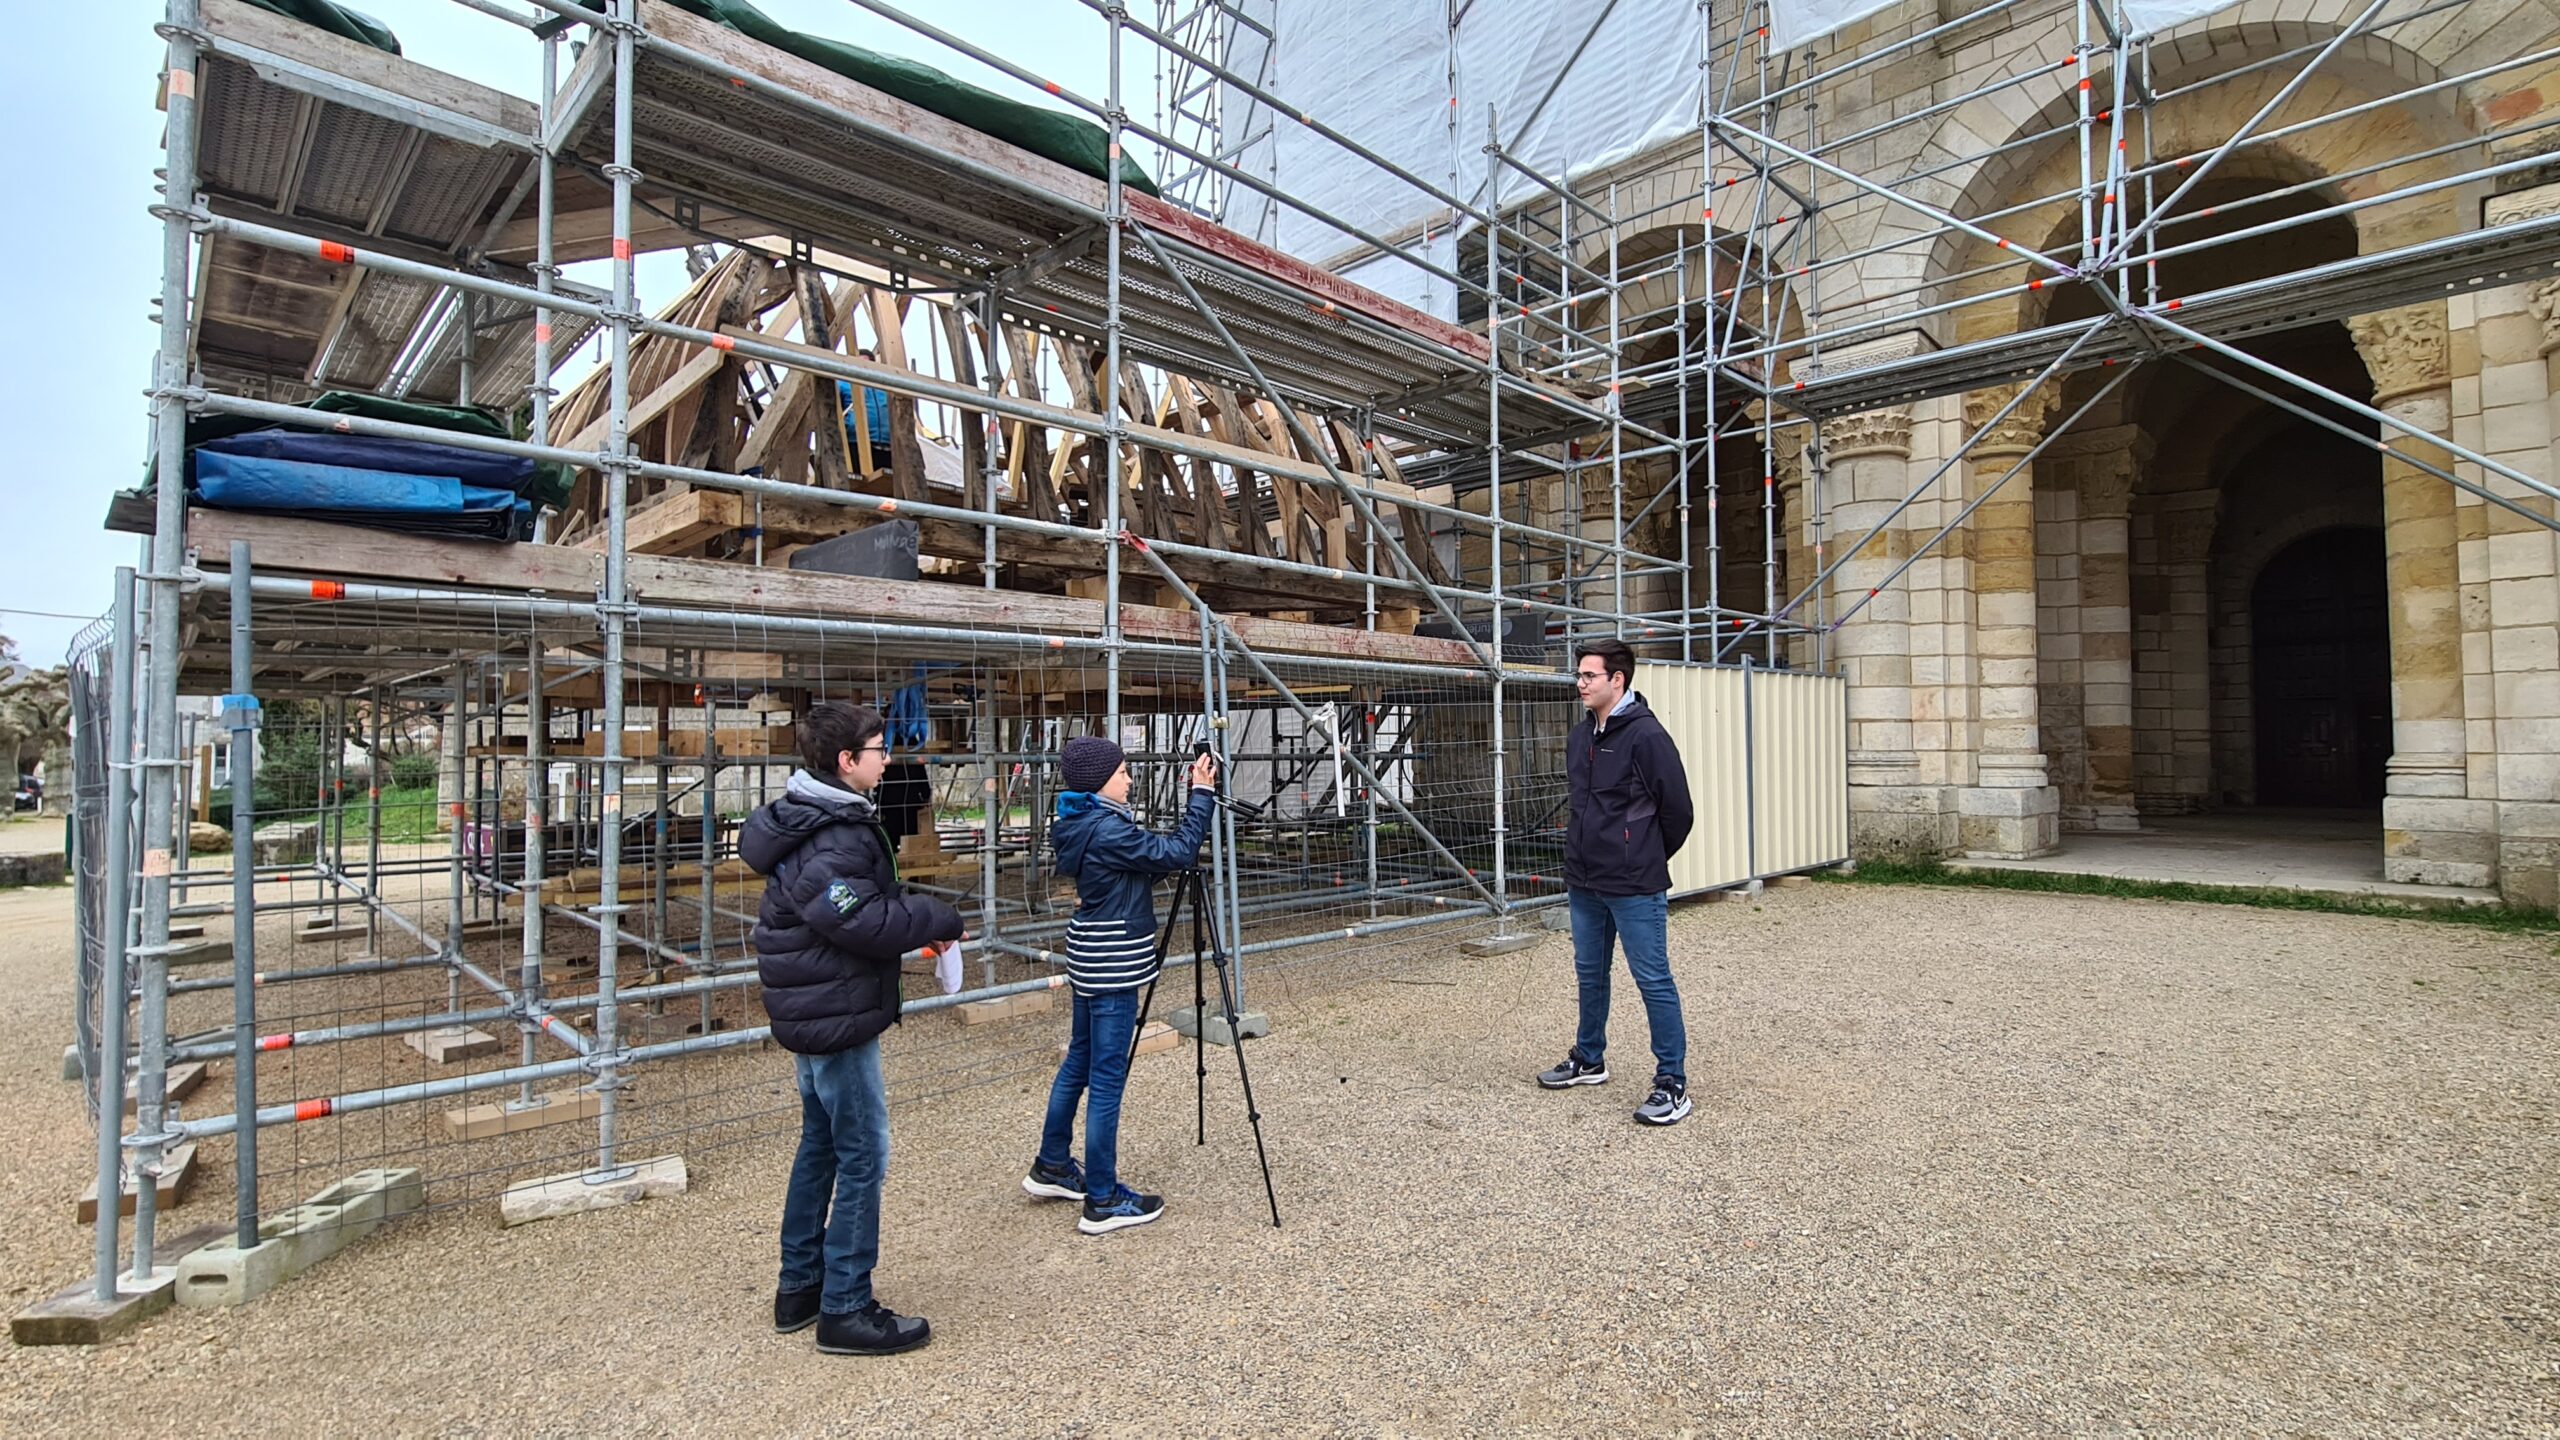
[1868, 465]
[2172, 605]
[2433, 834]
[2106, 620]
[2011, 810]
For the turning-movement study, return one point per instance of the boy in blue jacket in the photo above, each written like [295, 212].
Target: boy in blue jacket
[1111, 955]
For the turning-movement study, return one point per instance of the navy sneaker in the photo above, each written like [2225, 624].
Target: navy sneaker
[1573, 1072]
[1063, 1183]
[1125, 1208]
[794, 1310]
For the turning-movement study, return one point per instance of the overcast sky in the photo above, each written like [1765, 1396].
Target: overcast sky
[79, 267]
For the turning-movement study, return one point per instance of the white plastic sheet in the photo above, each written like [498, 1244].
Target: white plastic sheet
[1794, 22]
[1378, 71]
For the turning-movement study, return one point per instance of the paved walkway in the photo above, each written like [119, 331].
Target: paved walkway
[2325, 852]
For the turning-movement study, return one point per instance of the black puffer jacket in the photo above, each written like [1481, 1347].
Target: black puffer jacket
[834, 920]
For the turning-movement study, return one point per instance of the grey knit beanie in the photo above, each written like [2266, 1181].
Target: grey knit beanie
[1087, 762]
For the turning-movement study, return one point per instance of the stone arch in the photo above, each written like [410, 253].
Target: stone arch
[1996, 149]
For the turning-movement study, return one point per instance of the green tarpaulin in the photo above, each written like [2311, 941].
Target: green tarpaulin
[1074, 142]
[337, 20]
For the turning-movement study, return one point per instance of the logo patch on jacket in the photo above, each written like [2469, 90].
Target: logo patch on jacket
[844, 897]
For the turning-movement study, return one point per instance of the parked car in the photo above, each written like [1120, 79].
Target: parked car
[30, 794]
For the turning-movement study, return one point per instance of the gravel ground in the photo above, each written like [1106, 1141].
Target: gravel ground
[1962, 1162]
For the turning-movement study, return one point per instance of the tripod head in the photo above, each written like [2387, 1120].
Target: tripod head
[1244, 808]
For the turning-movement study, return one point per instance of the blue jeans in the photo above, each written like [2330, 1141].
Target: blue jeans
[831, 1213]
[1097, 1068]
[1642, 922]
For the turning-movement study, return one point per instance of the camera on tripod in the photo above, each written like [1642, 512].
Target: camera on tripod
[1192, 887]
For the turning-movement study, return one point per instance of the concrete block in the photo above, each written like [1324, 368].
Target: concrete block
[583, 1190]
[1792, 882]
[1497, 945]
[557, 1107]
[223, 1273]
[71, 1067]
[179, 1082]
[1557, 917]
[1253, 1023]
[1004, 1007]
[452, 1043]
[177, 1177]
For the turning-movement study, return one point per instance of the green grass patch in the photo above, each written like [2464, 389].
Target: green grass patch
[408, 817]
[2503, 918]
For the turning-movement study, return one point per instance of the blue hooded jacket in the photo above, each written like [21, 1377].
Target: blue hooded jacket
[1115, 862]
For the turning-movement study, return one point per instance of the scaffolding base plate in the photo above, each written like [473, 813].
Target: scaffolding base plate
[76, 1316]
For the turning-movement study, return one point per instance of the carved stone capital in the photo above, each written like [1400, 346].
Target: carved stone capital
[1786, 459]
[1876, 432]
[2405, 350]
[2019, 431]
[2546, 308]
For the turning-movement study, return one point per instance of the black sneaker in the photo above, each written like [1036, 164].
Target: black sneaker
[1573, 1072]
[1064, 1183]
[874, 1330]
[1667, 1105]
[1121, 1211]
[795, 1310]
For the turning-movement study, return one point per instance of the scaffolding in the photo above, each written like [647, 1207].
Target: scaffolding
[1343, 541]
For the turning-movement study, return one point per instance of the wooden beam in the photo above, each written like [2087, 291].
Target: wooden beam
[351, 553]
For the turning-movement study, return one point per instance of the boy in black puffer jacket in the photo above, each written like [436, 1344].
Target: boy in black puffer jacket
[828, 938]
[1111, 955]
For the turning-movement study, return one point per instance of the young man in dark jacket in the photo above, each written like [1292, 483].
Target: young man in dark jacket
[828, 939]
[1111, 955]
[1630, 814]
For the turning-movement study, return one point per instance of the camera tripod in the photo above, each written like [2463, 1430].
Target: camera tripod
[1193, 887]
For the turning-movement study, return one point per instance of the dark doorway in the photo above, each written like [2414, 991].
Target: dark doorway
[2321, 631]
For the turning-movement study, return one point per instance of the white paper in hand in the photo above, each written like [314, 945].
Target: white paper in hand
[946, 967]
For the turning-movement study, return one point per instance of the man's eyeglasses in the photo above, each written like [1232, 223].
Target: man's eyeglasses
[1589, 677]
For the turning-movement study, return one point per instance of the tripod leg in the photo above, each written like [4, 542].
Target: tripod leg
[1164, 946]
[1199, 1015]
[1252, 1112]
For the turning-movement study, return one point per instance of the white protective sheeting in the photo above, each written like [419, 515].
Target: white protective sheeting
[1378, 71]
[2150, 17]
[1795, 22]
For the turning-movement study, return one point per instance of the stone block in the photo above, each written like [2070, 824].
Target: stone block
[1496, 945]
[1792, 882]
[177, 1177]
[1253, 1023]
[204, 838]
[292, 844]
[581, 1191]
[2437, 814]
[1004, 1007]
[557, 1107]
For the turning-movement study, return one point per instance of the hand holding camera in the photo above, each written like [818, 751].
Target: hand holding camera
[1204, 770]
